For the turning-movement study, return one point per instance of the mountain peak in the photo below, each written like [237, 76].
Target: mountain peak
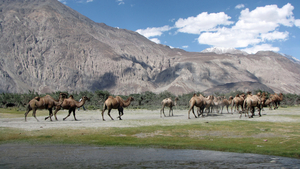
[222, 50]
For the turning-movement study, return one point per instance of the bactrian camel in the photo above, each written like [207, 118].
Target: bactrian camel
[250, 103]
[169, 103]
[226, 103]
[115, 103]
[276, 99]
[46, 102]
[70, 104]
[194, 101]
[237, 101]
[207, 105]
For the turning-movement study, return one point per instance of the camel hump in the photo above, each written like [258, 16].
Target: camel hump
[238, 95]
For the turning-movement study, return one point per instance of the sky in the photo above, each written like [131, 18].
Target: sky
[194, 25]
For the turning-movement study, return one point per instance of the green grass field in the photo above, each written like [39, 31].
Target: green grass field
[243, 136]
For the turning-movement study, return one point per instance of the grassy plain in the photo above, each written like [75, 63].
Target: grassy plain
[277, 132]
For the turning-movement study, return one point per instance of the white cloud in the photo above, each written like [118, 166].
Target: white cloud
[155, 31]
[202, 22]
[253, 28]
[63, 1]
[120, 2]
[185, 47]
[240, 6]
[275, 36]
[297, 23]
[155, 40]
[263, 47]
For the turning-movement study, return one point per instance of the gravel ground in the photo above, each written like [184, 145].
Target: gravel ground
[76, 156]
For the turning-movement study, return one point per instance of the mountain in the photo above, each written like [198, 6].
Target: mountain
[46, 46]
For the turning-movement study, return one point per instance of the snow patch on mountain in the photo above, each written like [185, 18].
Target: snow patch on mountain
[292, 58]
[223, 50]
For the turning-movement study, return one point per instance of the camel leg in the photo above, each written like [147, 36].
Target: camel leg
[103, 114]
[120, 109]
[26, 113]
[74, 115]
[191, 108]
[50, 114]
[172, 111]
[34, 114]
[70, 111]
[109, 114]
[163, 110]
[56, 110]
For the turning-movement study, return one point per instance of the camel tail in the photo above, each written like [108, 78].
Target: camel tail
[104, 106]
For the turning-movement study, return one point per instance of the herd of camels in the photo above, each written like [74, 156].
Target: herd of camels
[247, 102]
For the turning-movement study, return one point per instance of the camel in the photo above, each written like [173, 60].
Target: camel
[277, 99]
[46, 102]
[217, 103]
[208, 103]
[115, 103]
[250, 103]
[194, 101]
[267, 103]
[226, 103]
[237, 101]
[169, 103]
[71, 104]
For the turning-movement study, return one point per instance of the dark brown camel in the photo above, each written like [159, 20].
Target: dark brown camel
[46, 102]
[71, 104]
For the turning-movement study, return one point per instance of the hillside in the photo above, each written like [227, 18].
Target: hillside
[46, 46]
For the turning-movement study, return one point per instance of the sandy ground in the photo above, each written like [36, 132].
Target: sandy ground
[76, 156]
[136, 118]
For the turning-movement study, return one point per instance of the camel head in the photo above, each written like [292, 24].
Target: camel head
[85, 98]
[131, 98]
[63, 95]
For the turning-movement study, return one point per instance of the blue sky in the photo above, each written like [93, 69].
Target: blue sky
[194, 25]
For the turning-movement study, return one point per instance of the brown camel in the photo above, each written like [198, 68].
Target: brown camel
[71, 104]
[267, 103]
[277, 99]
[194, 101]
[208, 103]
[226, 102]
[115, 103]
[237, 101]
[169, 103]
[250, 103]
[46, 102]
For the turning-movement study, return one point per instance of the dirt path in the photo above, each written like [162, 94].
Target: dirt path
[136, 118]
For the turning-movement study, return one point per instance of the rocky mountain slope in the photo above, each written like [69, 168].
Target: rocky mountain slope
[46, 46]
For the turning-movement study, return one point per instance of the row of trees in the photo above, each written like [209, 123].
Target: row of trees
[146, 100]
